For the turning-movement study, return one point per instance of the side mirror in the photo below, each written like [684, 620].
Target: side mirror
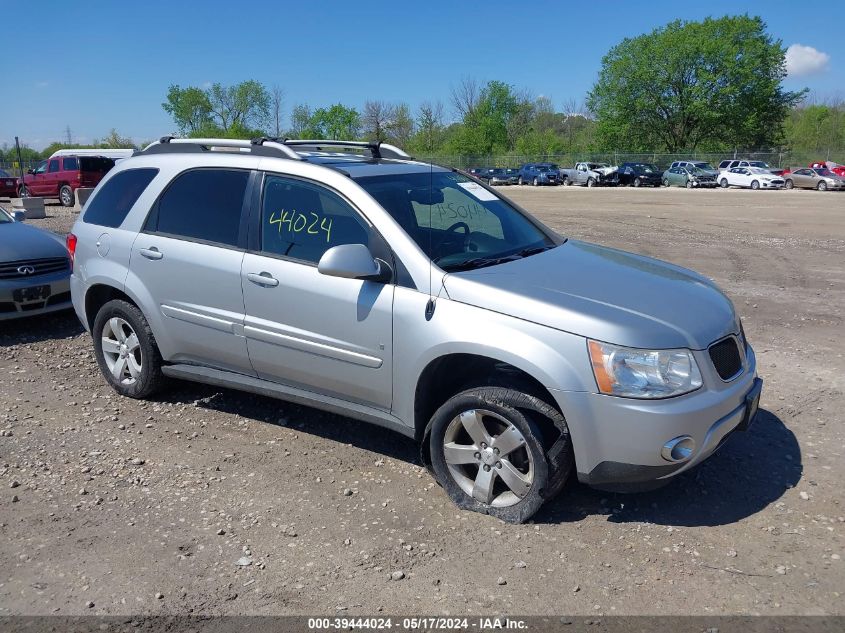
[19, 216]
[353, 261]
[30, 171]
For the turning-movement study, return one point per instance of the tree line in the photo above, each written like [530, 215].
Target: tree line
[710, 86]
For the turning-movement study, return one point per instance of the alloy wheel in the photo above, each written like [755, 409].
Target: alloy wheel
[488, 458]
[122, 351]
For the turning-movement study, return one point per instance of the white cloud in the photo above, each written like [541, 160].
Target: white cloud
[805, 60]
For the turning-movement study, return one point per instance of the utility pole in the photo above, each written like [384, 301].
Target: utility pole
[68, 135]
[20, 160]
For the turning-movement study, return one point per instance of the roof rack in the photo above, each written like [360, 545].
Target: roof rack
[259, 146]
[377, 149]
[268, 146]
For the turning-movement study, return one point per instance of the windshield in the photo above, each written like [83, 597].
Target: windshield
[704, 166]
[455, 221]
[4, 217]
[645, 168]
[759, 170]
[695, 171]
[759, 163]
[825, 172]
[4, 174]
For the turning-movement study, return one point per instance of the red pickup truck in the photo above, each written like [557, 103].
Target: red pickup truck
[59, 177]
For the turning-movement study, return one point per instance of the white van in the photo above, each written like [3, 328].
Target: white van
[114, 154]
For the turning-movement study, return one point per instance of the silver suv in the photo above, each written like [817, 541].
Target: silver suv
[349, 277]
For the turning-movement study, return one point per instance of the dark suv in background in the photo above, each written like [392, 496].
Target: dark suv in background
[59, 177]
[638, 174]
[539, 174]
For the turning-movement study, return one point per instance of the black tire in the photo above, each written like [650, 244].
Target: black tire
[755, 185]
[822, 186]
[23, 192]
[591, 182]
[789, 184]
[66, 196]
[150, 378]
[723, 183]
[566, 181]
[637, 182]
[666, 182]
[535, 182]
[689, 183]
[551, 464]
[520, 181]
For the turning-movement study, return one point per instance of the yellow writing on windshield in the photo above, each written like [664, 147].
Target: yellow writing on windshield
[297, 222]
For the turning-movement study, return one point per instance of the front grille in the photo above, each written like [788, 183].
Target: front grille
[726, 358]
[32, 267]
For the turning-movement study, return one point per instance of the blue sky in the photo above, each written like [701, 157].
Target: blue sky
[94, 65]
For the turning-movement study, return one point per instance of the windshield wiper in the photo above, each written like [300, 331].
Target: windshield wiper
[481, 262]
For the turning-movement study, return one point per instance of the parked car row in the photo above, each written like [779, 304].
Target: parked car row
[692, 174]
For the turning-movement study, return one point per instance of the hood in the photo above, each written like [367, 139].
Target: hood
[24, 241]
[605, 294]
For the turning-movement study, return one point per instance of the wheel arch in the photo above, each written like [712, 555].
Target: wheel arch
[100, 294]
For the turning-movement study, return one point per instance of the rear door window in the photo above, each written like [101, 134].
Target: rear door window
[203, 205]
[54, 166]
[71, 163]
[117, 196]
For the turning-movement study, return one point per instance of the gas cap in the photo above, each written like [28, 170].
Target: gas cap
[103, 244]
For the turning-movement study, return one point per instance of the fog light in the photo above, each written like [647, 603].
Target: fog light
[679, 449]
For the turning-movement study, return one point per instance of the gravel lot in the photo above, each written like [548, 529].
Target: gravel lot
[208, 501]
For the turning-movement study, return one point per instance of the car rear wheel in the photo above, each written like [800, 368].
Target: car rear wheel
[126, 350]
[487, 452]
[822, 186]
[723, 183]
[66, 196]
[789, 184]
[566, 181]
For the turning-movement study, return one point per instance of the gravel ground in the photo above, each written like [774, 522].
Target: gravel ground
[208, 501]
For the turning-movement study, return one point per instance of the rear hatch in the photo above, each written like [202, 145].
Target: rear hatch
[92, 169]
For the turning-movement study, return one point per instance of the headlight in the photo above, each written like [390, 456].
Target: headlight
[640, 373]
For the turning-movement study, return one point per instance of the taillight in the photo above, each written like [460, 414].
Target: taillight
[71, 248]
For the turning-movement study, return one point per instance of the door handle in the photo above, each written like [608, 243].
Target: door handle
[152, 253]
[263, 279]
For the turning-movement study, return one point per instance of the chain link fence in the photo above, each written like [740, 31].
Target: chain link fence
[777, 159]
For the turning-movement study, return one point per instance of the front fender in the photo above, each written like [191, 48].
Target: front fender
[558, 360]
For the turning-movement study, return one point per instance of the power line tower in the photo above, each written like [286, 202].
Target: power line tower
[68, 135]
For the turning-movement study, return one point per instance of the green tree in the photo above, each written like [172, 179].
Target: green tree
[710, 84]
[189, 107]
[816, 128]
[300, 121]
[338, 123]
[243, 106]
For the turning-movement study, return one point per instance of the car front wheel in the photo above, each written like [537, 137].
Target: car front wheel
[520, 181]
[822, 186]
[723, 183]
[591, 182]
[755, 185]
[535, 182]
[665, 182]
[23, 192]
[789, 184]
[487, 451]
[126, 350]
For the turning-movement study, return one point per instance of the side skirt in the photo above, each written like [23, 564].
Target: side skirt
[231, 380]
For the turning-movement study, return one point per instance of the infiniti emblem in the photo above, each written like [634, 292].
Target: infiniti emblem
[26, 270]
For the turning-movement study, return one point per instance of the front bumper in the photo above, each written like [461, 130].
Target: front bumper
[56, 297]
[618, 441]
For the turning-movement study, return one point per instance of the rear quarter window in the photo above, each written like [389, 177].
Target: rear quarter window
[70, 164]
[117, 196]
